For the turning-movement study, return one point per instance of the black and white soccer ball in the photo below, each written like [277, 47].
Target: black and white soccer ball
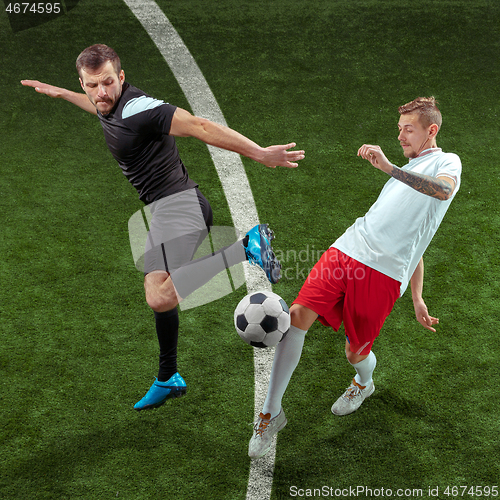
[262, 319]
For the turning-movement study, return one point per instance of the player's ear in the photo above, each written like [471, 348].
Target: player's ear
[121, 76]
[433, 130]
[81, 83]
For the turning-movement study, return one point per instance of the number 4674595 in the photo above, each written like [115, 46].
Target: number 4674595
[33, 8]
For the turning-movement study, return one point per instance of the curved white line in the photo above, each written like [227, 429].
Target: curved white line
[236, 188]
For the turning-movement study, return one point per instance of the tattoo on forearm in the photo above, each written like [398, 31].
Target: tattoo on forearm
[436, 188]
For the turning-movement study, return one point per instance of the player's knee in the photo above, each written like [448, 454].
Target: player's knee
[160, 294]
[354, 357]
[302, 317]
[160, 304]
[351, 357]
[152, 301]
[158, 301]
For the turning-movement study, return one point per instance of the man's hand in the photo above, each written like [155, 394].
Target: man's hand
[279, 156]
[78, 99]
[43, 88]
[423, 315]
[375, 156]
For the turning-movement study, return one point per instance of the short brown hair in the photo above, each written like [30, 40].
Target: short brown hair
[94, 57]
[427, 109]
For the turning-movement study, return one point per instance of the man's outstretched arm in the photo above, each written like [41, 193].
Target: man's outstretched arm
[440, 187]
[79, 99]
[435, 187]
[184, 124]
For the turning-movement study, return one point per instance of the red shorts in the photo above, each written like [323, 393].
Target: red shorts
[341, 289]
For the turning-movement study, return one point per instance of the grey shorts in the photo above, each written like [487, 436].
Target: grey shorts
[176, 226]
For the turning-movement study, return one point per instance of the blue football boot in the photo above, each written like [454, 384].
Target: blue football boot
[257, 245]
[159, 392]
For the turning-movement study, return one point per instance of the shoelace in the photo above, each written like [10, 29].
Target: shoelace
[259, 428]
[251, 259]
[352, 392]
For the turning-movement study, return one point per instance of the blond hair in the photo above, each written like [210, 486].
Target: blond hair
[427, 109]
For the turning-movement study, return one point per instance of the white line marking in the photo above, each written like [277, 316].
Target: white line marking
[236, 188]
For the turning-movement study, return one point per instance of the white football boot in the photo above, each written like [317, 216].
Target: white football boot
[264, 430]
[352, 398]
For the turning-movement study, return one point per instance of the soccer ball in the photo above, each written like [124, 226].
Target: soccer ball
[262, 319]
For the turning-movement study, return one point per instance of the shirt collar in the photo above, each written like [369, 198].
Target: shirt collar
[428, 151]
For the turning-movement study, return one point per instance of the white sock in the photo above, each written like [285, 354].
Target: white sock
[286, 359]
[364, 370]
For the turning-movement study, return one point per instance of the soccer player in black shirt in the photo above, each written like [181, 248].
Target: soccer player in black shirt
[139, 131]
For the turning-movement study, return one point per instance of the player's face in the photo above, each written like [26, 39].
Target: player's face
[103, 87]
[413, 136]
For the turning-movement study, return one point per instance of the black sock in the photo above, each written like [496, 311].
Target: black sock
[167, 330]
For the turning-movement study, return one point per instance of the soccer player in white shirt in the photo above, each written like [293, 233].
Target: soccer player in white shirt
[358, 280]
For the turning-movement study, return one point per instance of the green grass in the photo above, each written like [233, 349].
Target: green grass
[78, 346]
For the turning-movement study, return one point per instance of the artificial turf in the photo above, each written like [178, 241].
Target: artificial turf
[77, 339]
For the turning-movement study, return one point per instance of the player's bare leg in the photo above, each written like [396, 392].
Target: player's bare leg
[160, 291]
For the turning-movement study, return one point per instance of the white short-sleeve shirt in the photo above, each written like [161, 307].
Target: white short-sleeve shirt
[394, 234]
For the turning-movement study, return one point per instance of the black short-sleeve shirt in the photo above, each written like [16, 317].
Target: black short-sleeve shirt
[137, 134]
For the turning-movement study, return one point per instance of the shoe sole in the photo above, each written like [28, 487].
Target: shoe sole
[176, 392]
[268, 234]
